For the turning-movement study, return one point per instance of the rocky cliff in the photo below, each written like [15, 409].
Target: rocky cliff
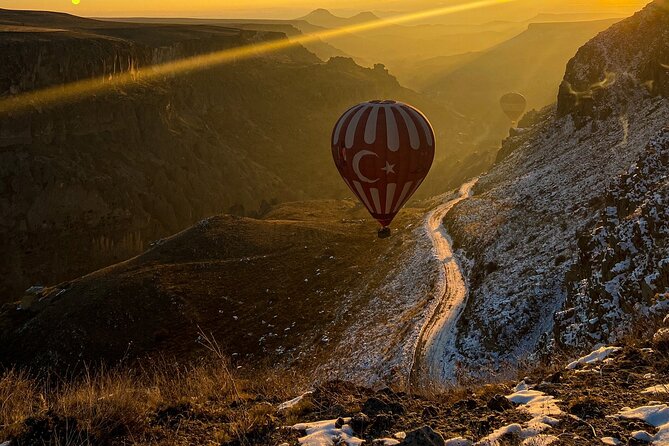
[619, 282]
[520, 229]
[631, 54]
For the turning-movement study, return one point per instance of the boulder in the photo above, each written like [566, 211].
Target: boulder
[424, 436]
[430, 412]
[381, 424]
[374, 406]
[661, 339]
[359, 423]
[499, 403]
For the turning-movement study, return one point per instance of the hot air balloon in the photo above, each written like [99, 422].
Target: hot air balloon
[513, 105]
[383, 151]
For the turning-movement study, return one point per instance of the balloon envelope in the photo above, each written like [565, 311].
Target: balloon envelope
[383, 151]
[513, 105]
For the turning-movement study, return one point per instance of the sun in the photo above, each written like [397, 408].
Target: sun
[75, 2]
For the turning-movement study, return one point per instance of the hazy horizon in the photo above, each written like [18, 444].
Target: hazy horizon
[272, 9]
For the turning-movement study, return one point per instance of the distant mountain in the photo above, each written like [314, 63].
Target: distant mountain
[566, 249]
[572, 17]
[290, 28]
[324, 18]
[421, 74]
[362, 17]
[531, 63]
[399, 46]
[93, 182]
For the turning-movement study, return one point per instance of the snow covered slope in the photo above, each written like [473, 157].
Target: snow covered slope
[621, 278]
[520, 228]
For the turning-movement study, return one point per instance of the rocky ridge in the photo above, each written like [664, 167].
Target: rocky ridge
[520, 228]
[620, 280]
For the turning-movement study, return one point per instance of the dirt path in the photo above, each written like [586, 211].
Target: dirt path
[435, 357]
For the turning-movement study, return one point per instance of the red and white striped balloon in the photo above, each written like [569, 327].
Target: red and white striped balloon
[383, 151]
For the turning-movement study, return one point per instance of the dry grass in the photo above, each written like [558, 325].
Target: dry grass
[160, 402]
[156, 402]
[19, 399]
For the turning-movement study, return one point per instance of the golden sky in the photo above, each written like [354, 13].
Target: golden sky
[294, 8]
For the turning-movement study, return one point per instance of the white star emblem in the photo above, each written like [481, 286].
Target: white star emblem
[390, 168]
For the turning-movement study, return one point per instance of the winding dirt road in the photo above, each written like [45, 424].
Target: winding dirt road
[435, 358]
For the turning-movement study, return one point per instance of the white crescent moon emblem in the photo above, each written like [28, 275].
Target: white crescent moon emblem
[356, 165]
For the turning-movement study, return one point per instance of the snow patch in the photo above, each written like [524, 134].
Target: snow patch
[656, 416]
[295, 401]
[498, 434]
[541, 406]
[327, 433]
[530, 432]
[642, 436]
[657, 390]
[595, 356]
[536, 403]
[458, 441]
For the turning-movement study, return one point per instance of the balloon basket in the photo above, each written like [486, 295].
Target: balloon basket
[384, 232]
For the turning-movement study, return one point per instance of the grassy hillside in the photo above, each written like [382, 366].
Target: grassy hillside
[279, 289]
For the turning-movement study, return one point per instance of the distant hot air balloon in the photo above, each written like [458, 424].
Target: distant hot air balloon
[383, 151]
[513, 105]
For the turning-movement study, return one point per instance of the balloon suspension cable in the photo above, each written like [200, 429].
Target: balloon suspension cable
[384, 232]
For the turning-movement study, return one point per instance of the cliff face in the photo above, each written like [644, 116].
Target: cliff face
[91, 182]
[620, 279]
[631, 54]
[520, 229]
